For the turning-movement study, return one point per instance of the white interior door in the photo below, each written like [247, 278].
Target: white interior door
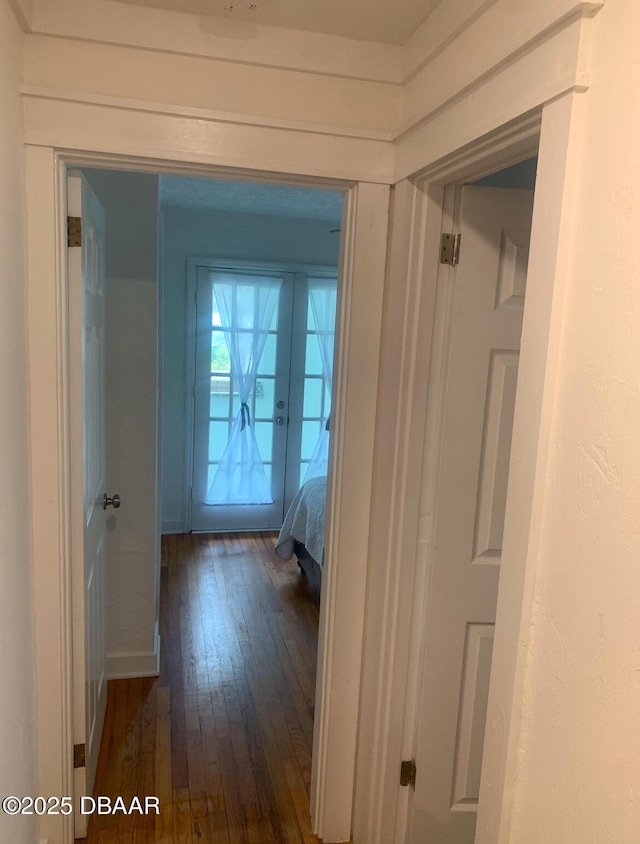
[471, 486]
[87, 391]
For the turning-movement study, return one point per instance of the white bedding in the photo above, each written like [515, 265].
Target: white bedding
[304, 521]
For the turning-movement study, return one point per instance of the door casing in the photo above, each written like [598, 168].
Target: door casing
[361, 268]
[424, 209]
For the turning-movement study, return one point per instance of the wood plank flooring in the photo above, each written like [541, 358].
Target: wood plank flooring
[223, 736]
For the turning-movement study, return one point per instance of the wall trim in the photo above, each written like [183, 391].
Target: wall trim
[122, 666]
[209, 115]
[157, 136]
[172, 526]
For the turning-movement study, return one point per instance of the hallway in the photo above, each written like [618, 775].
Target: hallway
[223, 736]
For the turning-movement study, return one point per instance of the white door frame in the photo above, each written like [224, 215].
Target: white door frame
[362, 268]
[398, 573]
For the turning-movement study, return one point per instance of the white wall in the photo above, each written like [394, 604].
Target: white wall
[131, 207]
[188, 233]
[579, 768]
[17, 718]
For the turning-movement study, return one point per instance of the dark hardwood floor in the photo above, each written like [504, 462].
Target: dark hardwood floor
[223, 736]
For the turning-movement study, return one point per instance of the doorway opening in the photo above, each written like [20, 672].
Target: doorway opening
[480, 301]
[142, 290]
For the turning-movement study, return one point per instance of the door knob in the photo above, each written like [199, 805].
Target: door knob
[110, 502]
[279, 420]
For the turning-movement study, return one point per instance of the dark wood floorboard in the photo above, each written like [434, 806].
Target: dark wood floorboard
[223, 736]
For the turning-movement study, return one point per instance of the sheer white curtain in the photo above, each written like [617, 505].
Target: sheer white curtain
[246, 310]
[323, 299]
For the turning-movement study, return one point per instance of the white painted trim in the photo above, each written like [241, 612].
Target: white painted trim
[345, 573]
[550, 69]
[395, 578]
[157, 136]
[507, 27]
[211, 115]
[554, 216]
[50, 483]
[172, 526]
[126, 665]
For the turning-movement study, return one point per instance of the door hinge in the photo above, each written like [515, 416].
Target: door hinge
[74, 231]
[408, 773]
[79, 756]
[450, 249]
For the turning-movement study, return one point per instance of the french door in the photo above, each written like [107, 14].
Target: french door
[261, 390]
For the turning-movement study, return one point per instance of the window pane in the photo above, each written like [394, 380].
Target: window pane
[220, 361]
[267, 471]
[218, 436]
[264, 294]
[219, 402]
[213, 467]
[310, 434]
[236, 402]
[264, 438]
[268, 359]
[313, 363]
[304, 465]
[312, 397]
[265, 401]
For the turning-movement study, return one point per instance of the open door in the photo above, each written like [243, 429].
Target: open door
[476, 421]
[86, 266]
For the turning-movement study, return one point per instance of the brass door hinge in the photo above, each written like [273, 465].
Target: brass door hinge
[74, 231]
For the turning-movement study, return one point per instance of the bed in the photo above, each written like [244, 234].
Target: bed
[302, 531]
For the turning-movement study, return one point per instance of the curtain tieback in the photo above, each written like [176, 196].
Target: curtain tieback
[246, 415]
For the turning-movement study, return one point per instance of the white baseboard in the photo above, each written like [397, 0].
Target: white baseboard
[127, 665]
[172, 526]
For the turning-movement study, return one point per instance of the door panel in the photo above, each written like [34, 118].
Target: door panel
[87, 391]
[471, 487]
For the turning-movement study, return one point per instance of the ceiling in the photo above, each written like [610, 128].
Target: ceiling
[386, 21]
[252, 198]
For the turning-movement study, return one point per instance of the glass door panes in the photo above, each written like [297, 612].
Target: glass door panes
[312, 355]
[262, 395]
[243, 329]
[237, 339]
